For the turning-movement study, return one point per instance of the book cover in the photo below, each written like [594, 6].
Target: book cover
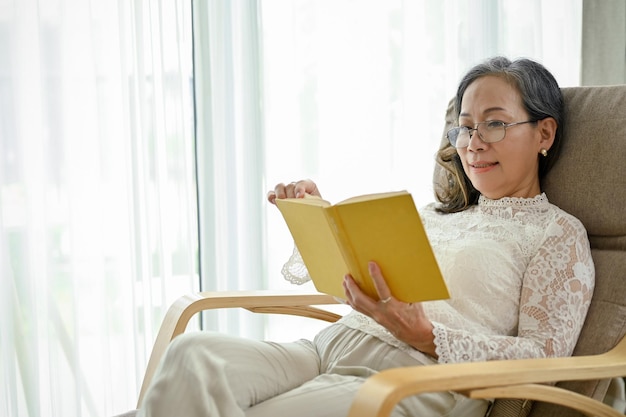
[386, 228]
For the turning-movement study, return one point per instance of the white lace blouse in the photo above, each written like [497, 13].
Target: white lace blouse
[520, 276]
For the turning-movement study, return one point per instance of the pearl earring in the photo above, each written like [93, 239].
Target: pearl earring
[544, 152]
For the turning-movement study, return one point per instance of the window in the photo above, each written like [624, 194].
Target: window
[98, 208]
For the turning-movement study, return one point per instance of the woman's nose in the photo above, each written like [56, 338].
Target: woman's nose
[475, 143]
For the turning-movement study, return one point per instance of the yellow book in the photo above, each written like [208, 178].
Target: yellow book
[342, 238]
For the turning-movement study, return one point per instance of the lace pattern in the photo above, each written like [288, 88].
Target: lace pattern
[294, 269]
[520, 275]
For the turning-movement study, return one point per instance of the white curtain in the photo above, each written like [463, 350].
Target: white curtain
[604, 42]
[98, 208]
[351, 93]
[230, 154]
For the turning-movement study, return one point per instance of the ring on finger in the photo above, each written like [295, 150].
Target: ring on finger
[385, 300]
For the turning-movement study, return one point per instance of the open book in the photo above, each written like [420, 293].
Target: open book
[342, 238]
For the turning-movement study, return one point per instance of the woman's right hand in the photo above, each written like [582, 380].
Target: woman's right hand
[296, 189]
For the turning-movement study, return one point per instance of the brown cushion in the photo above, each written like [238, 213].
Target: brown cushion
[606, 321]
[589, 179]
[510, 408]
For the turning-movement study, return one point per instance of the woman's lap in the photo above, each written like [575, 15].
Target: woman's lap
[211, 374]
[266, 379]
[257, 370]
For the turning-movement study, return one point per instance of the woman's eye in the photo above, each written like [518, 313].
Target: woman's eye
[494, 124]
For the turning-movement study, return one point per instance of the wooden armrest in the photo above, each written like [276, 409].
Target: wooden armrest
[276, 302]
[381, 392]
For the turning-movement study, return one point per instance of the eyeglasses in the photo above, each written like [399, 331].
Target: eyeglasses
[490, 131]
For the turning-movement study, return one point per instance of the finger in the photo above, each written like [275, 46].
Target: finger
[356, 297]
[348, 286]
[271, 196]
[384, 293]
[303, 187]
[280, 191]
[290, 190]
[285, 190]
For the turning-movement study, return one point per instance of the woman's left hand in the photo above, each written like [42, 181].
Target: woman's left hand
[407, 322]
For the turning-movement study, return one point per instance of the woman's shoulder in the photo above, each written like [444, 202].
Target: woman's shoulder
[565, 218]
[428, 208]
[566, 228]
[432, 209]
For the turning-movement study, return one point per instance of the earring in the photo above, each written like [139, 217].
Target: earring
[544, 152]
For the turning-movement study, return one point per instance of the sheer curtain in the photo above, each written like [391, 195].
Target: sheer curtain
[349, 93]
[230, 154]
[98, 208]
[604, 42]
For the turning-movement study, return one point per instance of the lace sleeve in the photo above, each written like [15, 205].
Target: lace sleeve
[556, 292]
[294, 269]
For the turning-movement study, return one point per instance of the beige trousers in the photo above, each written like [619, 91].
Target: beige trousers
[207, 374]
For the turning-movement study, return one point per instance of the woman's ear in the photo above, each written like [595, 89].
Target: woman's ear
[547, 130]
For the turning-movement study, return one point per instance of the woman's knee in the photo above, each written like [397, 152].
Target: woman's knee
[190, 346]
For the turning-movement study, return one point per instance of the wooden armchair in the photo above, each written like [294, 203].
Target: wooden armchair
[589, 181]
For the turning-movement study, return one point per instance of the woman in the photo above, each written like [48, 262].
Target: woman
[519, 270]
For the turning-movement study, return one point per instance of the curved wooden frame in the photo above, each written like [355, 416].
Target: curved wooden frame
[495, 379]
[378, 396]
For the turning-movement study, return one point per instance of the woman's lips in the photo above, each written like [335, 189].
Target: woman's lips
[482, 166]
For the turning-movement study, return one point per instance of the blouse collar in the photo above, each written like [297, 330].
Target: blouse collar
[538, 201]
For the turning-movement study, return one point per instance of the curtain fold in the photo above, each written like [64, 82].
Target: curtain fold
[604, 42]
[228, 75]
[97, 187]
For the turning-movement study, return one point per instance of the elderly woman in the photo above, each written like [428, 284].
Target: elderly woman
[519, 270]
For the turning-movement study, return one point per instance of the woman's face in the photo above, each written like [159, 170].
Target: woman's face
[508, 168]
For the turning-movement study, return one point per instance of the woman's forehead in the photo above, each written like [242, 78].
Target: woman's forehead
[489, 95]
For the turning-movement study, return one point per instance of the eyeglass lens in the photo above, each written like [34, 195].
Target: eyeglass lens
[489, 132]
